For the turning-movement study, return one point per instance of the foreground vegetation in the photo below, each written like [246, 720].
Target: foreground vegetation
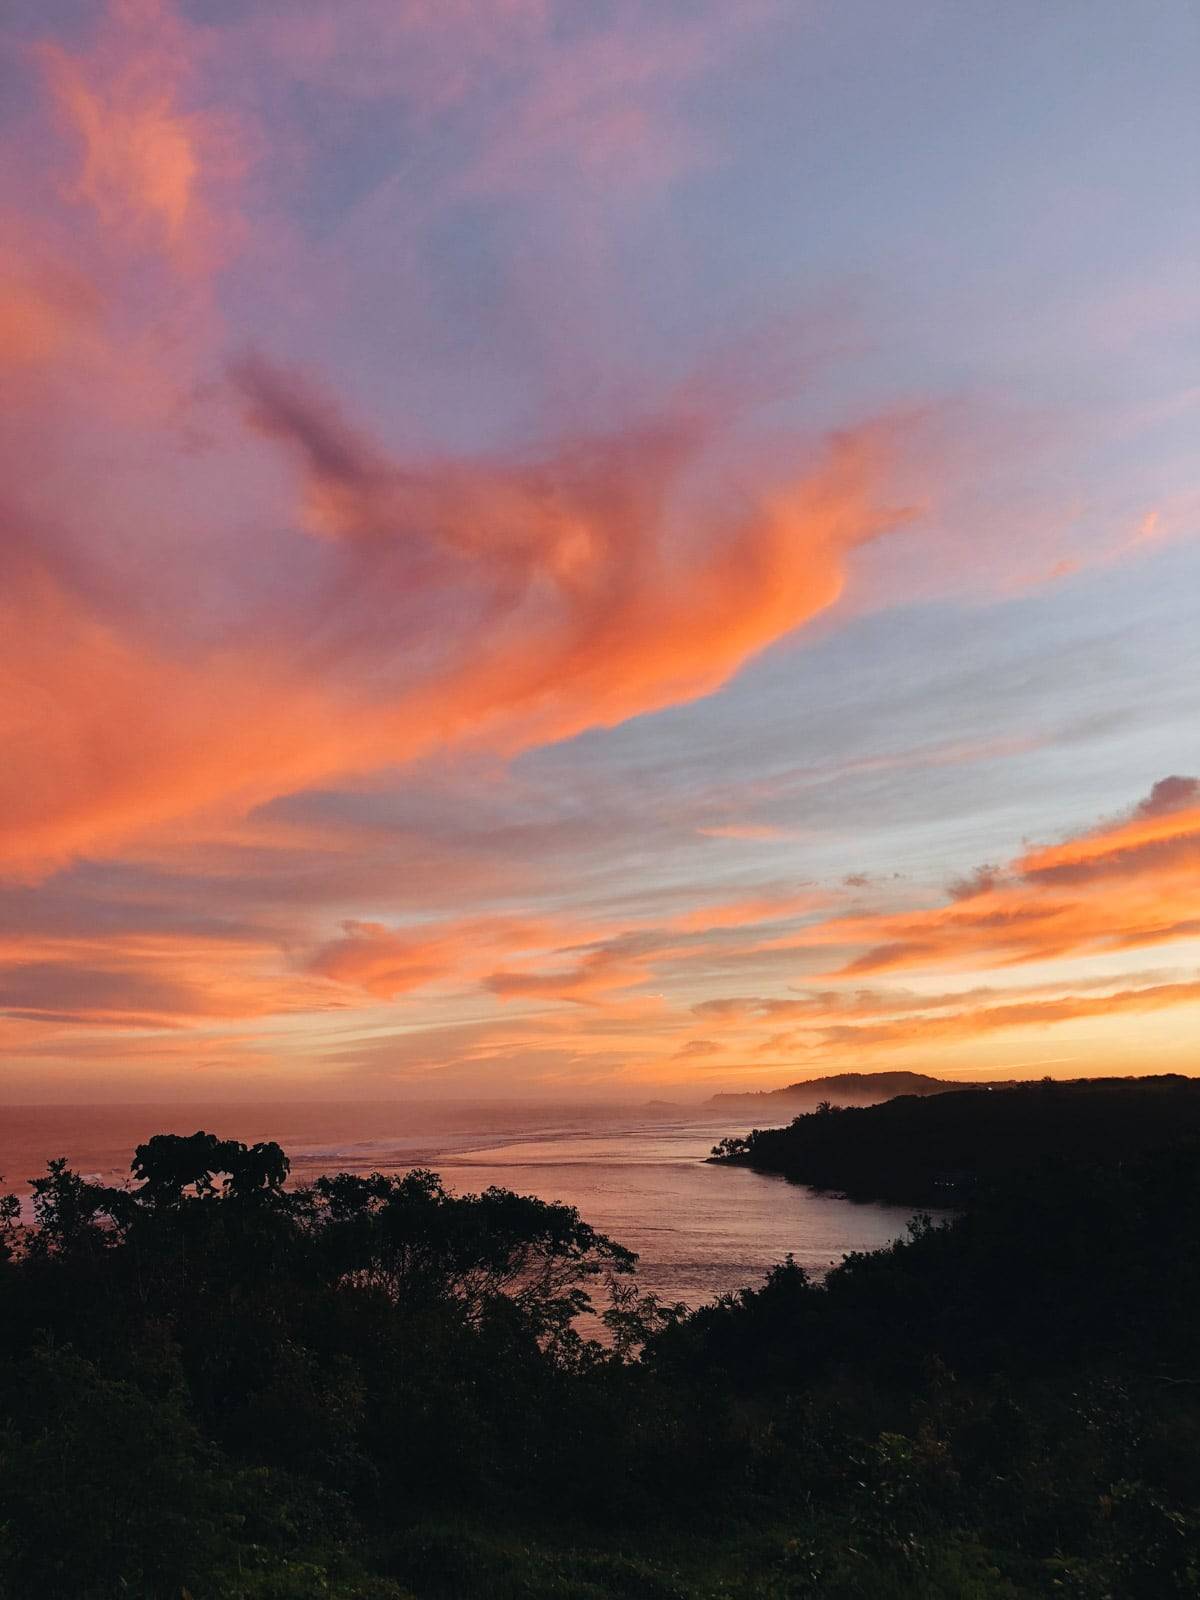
[370, 1389]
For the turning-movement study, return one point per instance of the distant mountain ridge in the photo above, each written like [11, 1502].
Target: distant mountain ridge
[855, 1088]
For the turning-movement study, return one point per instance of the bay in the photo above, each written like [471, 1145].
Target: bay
[637, 1174]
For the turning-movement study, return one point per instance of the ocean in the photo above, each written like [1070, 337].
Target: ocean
[638, 1175]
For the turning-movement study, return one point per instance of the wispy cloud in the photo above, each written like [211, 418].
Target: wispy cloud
[149, 163]
[1123, 885]
[447, 451]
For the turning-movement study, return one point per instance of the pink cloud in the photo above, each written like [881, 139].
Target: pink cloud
[148, 163]
[503, 603]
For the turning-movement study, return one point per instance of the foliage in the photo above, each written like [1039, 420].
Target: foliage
[935, 1150]
[169, 1164]
[372, 1389]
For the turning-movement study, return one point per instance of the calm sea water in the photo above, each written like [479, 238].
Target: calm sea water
[699, 1230]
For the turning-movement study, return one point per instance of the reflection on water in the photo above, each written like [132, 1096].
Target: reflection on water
[699, 1230]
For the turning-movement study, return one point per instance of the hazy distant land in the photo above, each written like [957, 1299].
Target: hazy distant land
[846, 1088]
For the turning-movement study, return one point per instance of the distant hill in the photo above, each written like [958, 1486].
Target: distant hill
[843, 1088]
[936, 1149]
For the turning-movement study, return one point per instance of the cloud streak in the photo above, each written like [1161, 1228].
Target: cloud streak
[1125, 885]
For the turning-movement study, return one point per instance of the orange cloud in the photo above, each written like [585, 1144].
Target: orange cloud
[604, 957]
[145, 980]
[45, 309]
[747, 913]
[843, 1026]
[500, 603]
[1025, 1013]
[108, 735]
[1128, 884]
[591, 602]
[1161, 836]
[386, 962]
[596, 976]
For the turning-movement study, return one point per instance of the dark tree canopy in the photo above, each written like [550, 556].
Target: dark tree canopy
[936, 1149]
[215, 1386]
[170, 1164]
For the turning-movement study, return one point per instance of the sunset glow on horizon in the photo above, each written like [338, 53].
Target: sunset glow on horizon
[596, 551]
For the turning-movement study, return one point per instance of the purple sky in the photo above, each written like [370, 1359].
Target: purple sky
[596, 550]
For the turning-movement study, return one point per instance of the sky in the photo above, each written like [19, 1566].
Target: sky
[596, 550]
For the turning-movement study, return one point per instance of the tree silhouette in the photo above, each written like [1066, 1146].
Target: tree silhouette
[170, 1164]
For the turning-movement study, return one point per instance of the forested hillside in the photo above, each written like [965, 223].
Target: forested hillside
[933, 1151]
[212, 1386]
